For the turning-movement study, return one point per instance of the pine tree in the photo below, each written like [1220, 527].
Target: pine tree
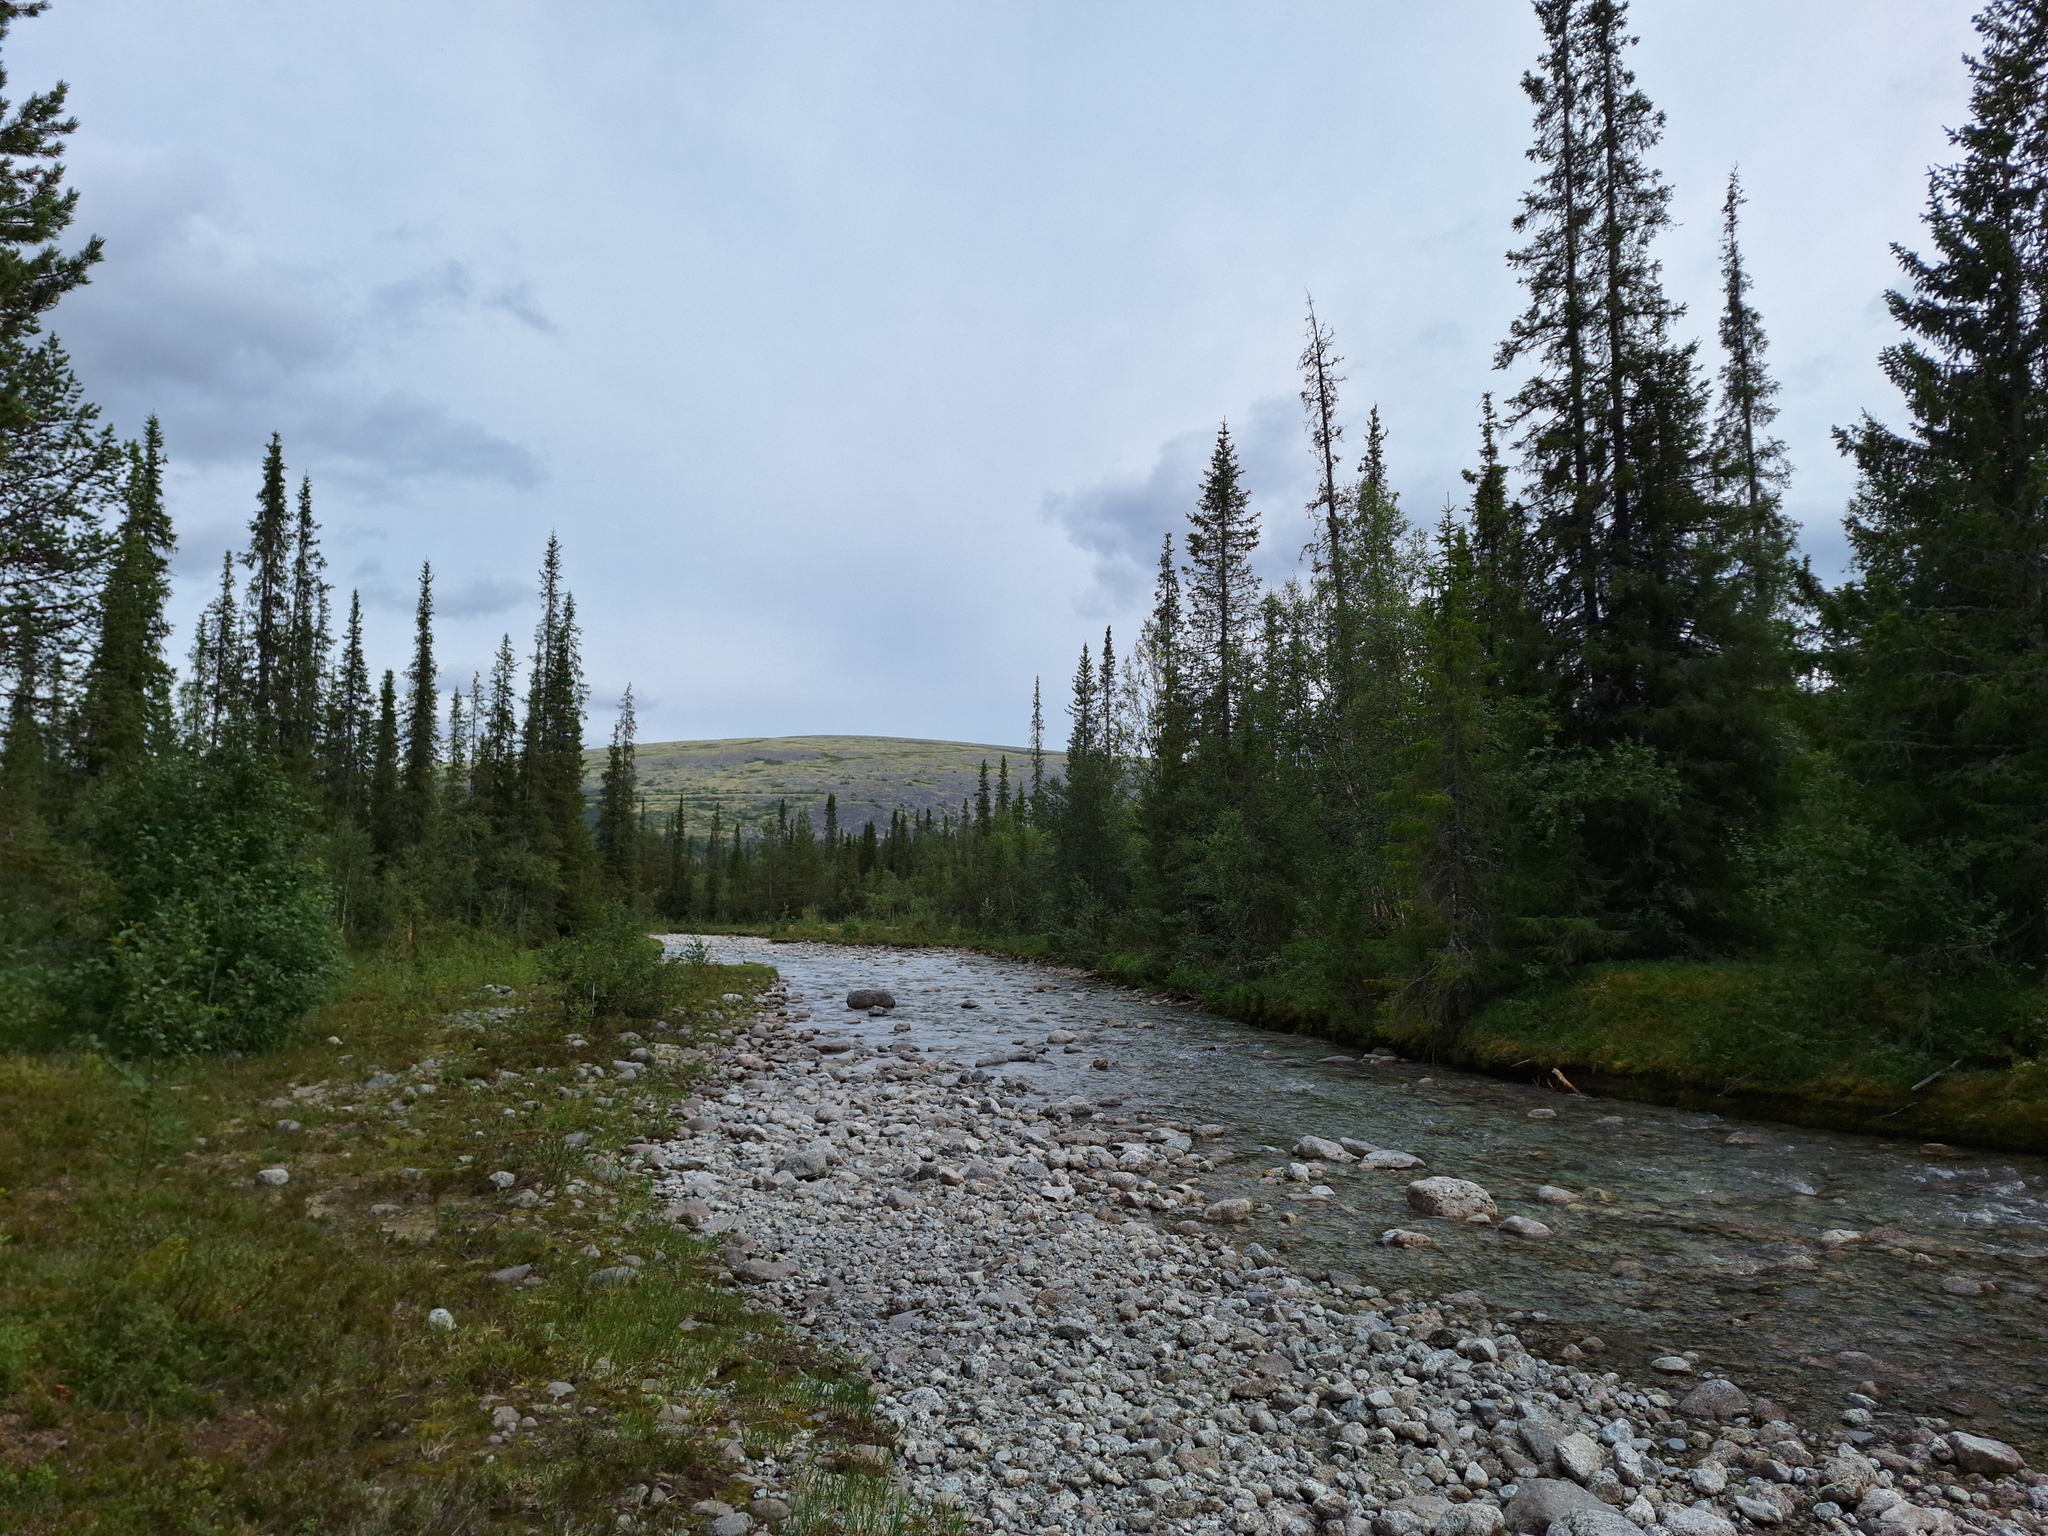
[1222, 591]
[422, 723]
[1940, 643]
[831, 820]
[984, 807]
[268, 560]
[127, 706]
[1003, 785]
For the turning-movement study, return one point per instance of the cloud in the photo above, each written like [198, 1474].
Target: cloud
[1121, 519]
[517, 301]
[476, 599]
[187, 320]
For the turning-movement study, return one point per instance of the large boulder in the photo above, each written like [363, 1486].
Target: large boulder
[1691, 1520]
[863, 998]
[1543, 1501]
[1980, 1453]
[1714, 1398]
[1452, 1199]
[1598, 1521]
[1321, 1149]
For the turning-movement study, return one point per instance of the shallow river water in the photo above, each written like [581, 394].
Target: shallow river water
[1693, 1235]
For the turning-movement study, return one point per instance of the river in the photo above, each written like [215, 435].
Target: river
[1692, 1234]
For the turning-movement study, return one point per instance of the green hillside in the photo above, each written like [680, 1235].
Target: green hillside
[871, 775]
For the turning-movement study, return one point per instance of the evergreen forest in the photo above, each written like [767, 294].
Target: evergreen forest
[1600, 719]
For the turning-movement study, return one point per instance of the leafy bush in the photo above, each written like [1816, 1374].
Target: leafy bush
[220, 938]
[612, 969]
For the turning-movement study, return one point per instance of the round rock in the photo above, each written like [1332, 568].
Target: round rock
[1452, 1199]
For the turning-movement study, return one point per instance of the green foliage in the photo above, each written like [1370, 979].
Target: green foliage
[612, 969]
[220, 934]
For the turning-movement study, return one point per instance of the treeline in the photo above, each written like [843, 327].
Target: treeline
[1603, 710]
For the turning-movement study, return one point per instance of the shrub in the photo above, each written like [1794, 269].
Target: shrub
[220, 934]
[612, 969]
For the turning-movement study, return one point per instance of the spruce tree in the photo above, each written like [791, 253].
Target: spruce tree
[302, 673]
[984, 806]
[617, 846]
[1222, 591]
[1751, 463]
[214, 696]
[126, 711]
[422, 723]
[1037, 751]
[1319, 381]
[1940, 642]
[348, 734]
[1631, 563]
[269, 560]
[387, 803]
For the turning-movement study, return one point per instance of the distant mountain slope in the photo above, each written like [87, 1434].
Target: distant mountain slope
[871, 775]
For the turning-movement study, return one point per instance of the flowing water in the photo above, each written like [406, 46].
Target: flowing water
[1693, 1234]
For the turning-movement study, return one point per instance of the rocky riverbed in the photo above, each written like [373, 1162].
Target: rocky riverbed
[1068, 1320]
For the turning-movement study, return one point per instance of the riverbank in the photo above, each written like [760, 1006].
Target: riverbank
[1795, 1044]
[395, 1278]
[1065, 1329]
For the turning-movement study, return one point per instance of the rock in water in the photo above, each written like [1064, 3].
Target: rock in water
[1525, 1226]
[1321, 1150]
[1452, 1199]
[1714, 1399]
[863, 999]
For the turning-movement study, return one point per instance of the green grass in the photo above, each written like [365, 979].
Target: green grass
[871, 775]
[183, 1350]
[1803, 1043]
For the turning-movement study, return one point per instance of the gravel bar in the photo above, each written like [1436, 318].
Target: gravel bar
[1060, 1325]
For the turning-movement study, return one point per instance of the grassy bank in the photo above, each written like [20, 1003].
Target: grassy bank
[1787, 1042]
[1840, 1049]
[185, 1348]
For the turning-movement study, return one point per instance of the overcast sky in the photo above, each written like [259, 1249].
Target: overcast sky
[861, 352]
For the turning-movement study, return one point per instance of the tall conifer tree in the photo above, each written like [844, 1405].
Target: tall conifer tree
[422, 722]
[1941, 640]
[127, 706]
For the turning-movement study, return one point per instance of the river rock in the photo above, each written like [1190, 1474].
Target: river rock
[1709, 1478]
[1387, 1159]
[1452, 1199]
[1238, 1209]
[1542, 1501]
[1550, 1194]
[1525, 1226]
[1321, 1150]
[1691, 1520]
[1580, 1456]
[861, 999]
[1715, 1398]
[1980, 1453]
[1403, 1237]
[810, 1163]
[1598, 1521]
[761, 1271]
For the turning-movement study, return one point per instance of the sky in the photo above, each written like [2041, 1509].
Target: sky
[860, 354]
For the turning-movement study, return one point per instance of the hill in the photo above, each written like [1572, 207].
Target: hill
[871, 775]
